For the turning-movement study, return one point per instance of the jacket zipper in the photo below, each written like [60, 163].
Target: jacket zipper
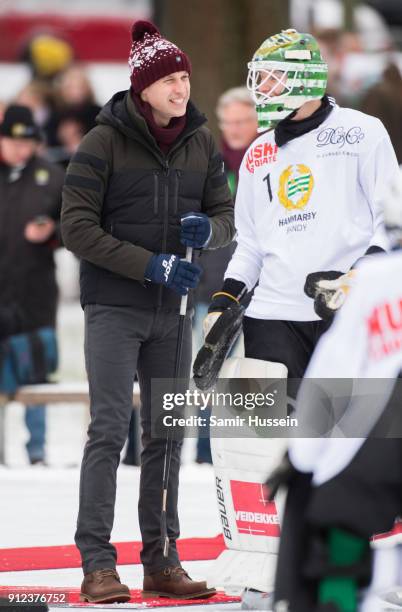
[176, 192]
[156, 192]
[165, 222]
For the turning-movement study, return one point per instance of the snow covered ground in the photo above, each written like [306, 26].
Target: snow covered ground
[39, 505]
[39, 508]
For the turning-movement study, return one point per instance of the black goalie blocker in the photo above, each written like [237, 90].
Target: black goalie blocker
[217, 345]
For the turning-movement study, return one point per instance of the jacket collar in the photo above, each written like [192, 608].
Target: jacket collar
[121, 113]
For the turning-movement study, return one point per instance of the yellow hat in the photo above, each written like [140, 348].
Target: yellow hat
[50, 55]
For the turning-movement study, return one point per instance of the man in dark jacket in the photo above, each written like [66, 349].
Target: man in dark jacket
[148, 164]
[30, 194]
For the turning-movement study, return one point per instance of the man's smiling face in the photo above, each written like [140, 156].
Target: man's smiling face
[168, 96]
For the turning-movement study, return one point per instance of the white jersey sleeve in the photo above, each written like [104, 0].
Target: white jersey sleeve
[364, 344]
[247, 260]
[376, 173]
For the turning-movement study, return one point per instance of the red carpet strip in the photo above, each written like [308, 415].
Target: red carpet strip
[128, 553]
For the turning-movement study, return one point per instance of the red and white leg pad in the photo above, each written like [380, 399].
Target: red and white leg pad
[250, 523]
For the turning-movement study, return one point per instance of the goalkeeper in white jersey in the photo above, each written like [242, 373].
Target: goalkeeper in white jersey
[308, 204]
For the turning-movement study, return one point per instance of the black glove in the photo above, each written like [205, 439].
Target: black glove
[328, 290]
[282, 476]
[232, 291]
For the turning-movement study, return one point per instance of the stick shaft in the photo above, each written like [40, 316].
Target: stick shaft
[168, 449]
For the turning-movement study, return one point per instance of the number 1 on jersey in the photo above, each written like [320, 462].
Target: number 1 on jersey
[268, 179]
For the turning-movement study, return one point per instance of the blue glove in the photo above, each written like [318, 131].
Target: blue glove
[195, 230]
[173, 272]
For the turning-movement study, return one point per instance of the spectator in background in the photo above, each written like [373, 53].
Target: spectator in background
[38, 97]
[238, 124]
[72, 125]
[384, 101]
[370, 31]
[75, 105]
[30, 195]
[334, 51]
[366, 34]
[47, 56]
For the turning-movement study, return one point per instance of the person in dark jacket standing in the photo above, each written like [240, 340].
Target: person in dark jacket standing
[30, 196]
[128, 195]
[384, 101]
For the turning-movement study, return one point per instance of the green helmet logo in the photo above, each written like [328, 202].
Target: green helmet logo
[286, 71]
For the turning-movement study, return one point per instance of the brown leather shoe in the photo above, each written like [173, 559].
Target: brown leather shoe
[174, 582]
[103, 586]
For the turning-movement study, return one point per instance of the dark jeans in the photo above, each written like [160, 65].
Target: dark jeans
[119, 341]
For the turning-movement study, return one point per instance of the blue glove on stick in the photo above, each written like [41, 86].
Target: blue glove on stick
[195, 230]
[169, 270]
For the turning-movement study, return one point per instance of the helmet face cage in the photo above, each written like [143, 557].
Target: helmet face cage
[285, 72]
[276, 73]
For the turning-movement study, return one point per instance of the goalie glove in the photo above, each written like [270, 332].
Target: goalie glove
[232, 293]
[329, 291]
[222, 326]
[217, 345]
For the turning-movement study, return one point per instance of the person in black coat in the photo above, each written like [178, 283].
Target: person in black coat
[30, 195]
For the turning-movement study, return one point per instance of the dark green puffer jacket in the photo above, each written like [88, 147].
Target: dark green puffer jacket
[123, 199]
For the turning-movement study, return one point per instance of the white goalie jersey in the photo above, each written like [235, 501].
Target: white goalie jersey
[313, 204]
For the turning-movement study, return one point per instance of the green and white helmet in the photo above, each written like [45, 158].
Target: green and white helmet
[292, 62]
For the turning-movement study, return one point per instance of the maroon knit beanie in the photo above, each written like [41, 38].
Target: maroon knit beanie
[153, 57]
